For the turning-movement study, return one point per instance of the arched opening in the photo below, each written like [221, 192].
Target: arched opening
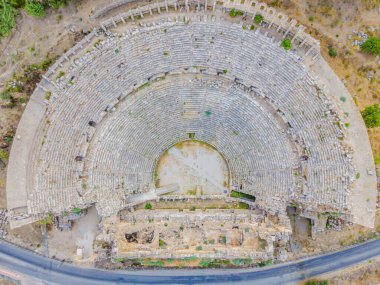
[197, 167]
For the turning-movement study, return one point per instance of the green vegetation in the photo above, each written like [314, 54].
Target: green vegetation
[55, 4]
[265, 263]
[332, 51]
[208, 262]
[4, 155]
[148, 206]
[357, 176]
[258, 19]
[47, 95]
[241, 261]
[35, 8]
[161, 243]
[286, 44]
[7, 19]
[199, 247]
[235, 194]
[46, 221]
[371, 116]
[242, 205]
[142, 86]
[316, 282]
[377, 160]
[77, 211]
[234, 13]
[60, 74]
[23, 82]
[371, 46]
[343, 99]
[208, 113]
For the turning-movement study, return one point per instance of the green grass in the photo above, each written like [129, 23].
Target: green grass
[8, 16]
[236, 194]
[35, 8]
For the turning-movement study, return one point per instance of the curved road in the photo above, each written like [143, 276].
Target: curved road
[28, 266]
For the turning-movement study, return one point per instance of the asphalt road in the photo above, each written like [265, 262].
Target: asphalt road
[27, 264]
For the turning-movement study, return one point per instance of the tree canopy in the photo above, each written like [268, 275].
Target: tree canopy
[371, 116]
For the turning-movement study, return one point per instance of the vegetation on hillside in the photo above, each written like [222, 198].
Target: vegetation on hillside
[36, 8]
[371, 116]
[371, 46]
[8, 15]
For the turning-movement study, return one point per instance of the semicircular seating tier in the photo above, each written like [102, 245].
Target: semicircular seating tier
[137, 94]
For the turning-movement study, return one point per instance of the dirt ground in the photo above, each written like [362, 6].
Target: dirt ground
[63, 245]
[193, 164]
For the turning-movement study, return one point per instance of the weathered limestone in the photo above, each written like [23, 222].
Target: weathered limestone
[131, 96]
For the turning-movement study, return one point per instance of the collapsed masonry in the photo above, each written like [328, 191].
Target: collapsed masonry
[219, 234]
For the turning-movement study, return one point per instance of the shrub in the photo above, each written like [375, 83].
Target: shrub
[332, 51]
[371, 116]
[4, 154]
[258, 19]
[377, 160]
[199, 247]
[234, 13]
[55, 4]
[161, 243]
[371, 46]
[46, 221]
[60, 74]
[316, 282]
[286, 44]
[7, 19]
[5, 96]
[77, 211]
[148, 206]
[35, 9]
[265, 263]
[17, 3]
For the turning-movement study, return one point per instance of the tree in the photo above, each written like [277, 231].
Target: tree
[371, 46]
[286, 44]
[148, 206]
[371, 116]
[35, 9]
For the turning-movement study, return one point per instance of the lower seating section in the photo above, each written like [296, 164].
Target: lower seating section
[101, 141]
[145, 125]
